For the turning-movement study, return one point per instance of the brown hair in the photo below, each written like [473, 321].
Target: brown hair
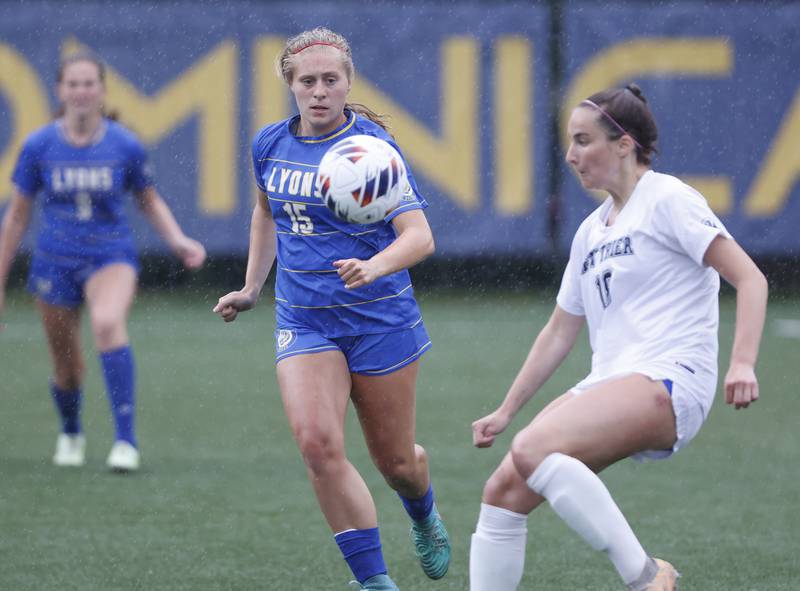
[628, 108]
[84, 55]
[284, 64]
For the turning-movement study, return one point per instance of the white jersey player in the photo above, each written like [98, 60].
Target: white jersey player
[649, 301]
[643, 273]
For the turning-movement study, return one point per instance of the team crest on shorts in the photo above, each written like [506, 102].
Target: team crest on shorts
[43, 286]
[285, 338]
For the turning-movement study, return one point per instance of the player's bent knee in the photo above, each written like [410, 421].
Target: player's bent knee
[106, 330]
[321, 453]
[528, 449]
[398, 473]
[505, 489]
[498, 488]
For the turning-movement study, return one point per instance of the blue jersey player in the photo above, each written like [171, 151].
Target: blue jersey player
[81, 167]
[348, 327]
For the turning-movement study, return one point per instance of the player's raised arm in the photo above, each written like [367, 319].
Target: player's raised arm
[260, 258]
[414, 243]
[191, 252]
[550, 348]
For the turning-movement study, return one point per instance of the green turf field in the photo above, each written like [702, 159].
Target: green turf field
[223, 503]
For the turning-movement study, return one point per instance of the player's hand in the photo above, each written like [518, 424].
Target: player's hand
[356, 273]
[191, 253]
[486, 429]
[741, 385]
[229, 306]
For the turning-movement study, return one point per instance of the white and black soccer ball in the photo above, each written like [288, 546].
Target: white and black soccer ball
[361, 179]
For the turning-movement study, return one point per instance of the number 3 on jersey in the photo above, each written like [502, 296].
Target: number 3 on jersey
[301, 223]
[83, 205]
[603, 283]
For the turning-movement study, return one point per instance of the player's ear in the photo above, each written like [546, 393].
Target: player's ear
[625, 145]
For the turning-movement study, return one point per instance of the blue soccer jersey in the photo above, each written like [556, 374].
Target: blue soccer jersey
[82, 188]
[308, 291]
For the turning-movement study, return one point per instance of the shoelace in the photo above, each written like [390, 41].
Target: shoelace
[434, 533]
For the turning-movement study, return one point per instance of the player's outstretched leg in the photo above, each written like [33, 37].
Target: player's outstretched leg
[118, 370]
[402, 462]
[62, 327]
[71, 444]
[583, 502]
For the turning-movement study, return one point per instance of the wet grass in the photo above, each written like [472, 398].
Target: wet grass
[223, 503]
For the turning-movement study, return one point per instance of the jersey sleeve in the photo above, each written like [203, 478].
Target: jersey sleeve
[412, 199]
[27, 175]
[258, 153]
[686, 221]
[569, 296]
[140, 172]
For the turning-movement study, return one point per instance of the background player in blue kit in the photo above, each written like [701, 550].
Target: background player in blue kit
[82, 165]
[348, 327]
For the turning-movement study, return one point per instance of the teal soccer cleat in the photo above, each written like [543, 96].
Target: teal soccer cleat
[377, 583]
[432, 545]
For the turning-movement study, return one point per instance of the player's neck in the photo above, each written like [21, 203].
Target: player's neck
[305, 129]
[626, 183]
[80, 130]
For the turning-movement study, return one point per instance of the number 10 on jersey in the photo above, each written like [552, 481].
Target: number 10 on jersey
[603, 283]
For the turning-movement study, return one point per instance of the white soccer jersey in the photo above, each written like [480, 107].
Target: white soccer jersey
[650, 303]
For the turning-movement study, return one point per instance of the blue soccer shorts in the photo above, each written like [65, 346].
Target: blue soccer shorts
[59, 281]
[369, 354]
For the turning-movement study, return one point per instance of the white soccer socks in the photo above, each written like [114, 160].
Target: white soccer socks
[497, 552]
[581, 499]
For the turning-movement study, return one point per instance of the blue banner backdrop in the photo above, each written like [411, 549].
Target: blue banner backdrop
[469, 93]
[466, 87]
[722, 81]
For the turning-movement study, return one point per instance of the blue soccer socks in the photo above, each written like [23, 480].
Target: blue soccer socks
[361, 549]
[68, 405]
[419, 509]
[118, 370]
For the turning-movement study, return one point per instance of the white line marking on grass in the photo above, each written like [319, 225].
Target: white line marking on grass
[787, 327]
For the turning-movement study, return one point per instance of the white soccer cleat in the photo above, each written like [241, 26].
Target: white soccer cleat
[70, 450]
[123, 457]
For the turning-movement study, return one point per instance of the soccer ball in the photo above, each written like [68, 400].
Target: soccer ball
[361, 179]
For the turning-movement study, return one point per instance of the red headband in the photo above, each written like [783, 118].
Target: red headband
[296, 51]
